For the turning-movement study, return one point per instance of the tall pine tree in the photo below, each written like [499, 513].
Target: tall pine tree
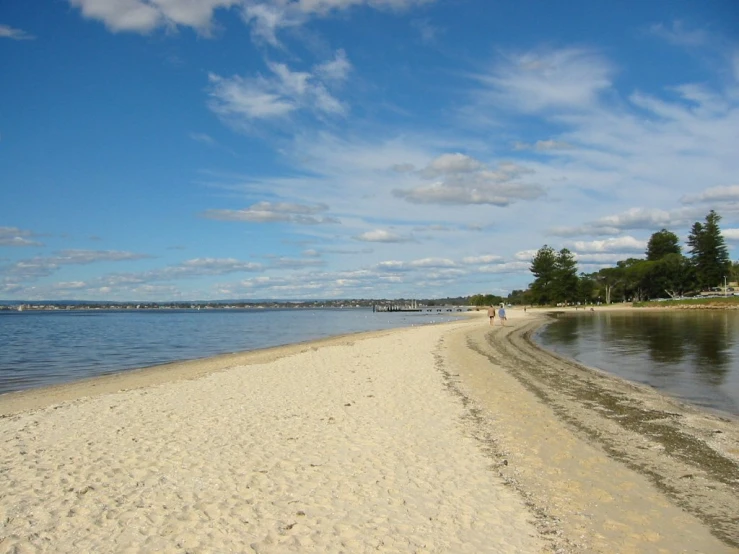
[543, 266]
[566, 280]
[708, 251]
[555, 275]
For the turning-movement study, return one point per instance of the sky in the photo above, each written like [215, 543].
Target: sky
[168, 150]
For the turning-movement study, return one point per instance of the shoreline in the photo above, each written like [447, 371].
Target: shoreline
[343, 443]
[689, 454]
[69, 386]
[566, 359]
[159, 374]
[136, 377]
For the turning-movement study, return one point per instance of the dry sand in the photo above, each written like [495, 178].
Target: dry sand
[446, 438]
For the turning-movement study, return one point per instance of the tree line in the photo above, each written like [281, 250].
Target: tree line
[664, 271]
[485, 300]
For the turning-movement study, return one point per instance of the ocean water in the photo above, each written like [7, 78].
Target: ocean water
[44, 348]
[689, 354]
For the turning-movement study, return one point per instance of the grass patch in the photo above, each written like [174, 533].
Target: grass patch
[716, 302]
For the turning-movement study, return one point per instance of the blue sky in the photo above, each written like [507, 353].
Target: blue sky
[210, 149]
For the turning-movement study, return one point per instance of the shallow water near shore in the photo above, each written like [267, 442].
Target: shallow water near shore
[46, 348]
[691, 355]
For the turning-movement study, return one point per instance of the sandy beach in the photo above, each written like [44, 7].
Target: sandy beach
[457, 437]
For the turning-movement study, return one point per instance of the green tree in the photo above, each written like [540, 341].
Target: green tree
[485, 300]
[519, 297]
[661, 244]
[635, 278]
[609, 278]
[734, 272]
[586, 287]
[673, 274]
[544, 268]
[709, 254]
[565, 277]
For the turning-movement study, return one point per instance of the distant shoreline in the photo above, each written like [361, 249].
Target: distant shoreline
[381, 305]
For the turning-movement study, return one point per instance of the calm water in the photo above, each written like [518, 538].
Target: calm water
[43, 348]
[690, 355]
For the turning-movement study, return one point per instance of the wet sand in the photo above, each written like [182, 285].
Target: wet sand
[609, 466]
[447, 438]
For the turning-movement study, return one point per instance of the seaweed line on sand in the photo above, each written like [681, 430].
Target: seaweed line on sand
[698, 478]
[477, 424]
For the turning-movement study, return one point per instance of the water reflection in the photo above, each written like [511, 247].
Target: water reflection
[713, 350]
[688, 354]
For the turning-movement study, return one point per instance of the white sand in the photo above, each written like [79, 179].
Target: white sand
[355, 445]
[428, 439]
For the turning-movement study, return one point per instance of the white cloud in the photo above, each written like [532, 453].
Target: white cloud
[714, 194]
[640, 151]
[405, 278]
[70, 285]
[496, 194]
[269, 212]
[6, 31]
[29, 270]
[570, 78]
[247, 99]
[600, 258]
[543, 145]
[420, 264]
[730, 234]
[240, 101]
[189, 269]
[353, 175]
[450, 164]
[506, 267]
[487, 259]
[632, 219]
[525, 255]
[382, 235]
[465, 180]
[213, 266]
[143, 16]
[677, 33]
[266, 20]
[13, 236]
[202, 137]
[296, 263]
[392, 265]
[432, 262]
[615, 244]
[93, 256]
[336, 70]
[268, 17]
[41, 266]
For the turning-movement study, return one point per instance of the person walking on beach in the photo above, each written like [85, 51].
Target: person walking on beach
[501, 315]
[491, 314]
